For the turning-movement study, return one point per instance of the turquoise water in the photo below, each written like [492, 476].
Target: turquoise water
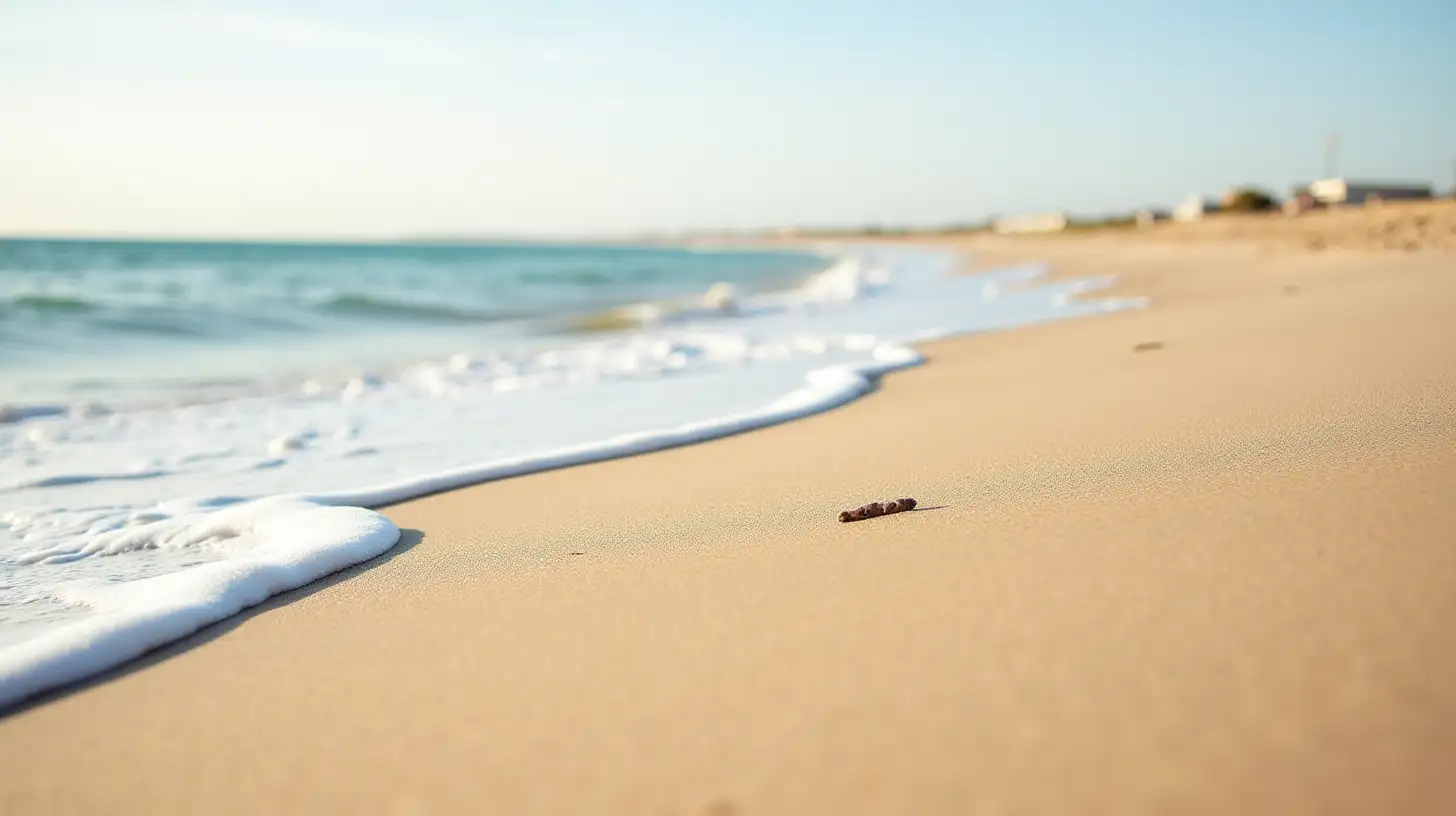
[130, 320]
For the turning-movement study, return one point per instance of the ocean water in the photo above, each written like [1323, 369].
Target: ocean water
[186, 429]
[123, 322]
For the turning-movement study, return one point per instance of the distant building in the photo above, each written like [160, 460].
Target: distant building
[1194, 208]
[1345, 191]
[1022, 224]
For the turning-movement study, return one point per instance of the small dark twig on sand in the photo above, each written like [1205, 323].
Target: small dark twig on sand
[876, 509]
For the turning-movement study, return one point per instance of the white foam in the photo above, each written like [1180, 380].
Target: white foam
[823, 389]
[288, 542]
[119, 564]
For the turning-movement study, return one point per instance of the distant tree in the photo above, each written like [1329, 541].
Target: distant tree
[1249, 199]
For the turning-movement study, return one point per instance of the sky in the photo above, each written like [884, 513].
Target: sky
[572, 117]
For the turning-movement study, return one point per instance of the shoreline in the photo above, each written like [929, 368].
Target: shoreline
[1158, 577]
[64, 655]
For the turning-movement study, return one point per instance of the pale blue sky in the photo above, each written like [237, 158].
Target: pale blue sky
[540, 117]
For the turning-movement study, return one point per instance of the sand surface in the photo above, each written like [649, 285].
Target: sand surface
[1216, 575]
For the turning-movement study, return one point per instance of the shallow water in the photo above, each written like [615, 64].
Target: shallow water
[115, 321]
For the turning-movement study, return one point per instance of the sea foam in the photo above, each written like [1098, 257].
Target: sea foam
[283, 543]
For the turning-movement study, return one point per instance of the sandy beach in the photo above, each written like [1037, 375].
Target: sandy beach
[1191, 559]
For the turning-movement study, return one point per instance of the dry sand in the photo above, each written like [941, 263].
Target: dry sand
[1217, 575]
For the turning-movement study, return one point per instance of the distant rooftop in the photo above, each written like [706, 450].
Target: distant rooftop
[1352, 191]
